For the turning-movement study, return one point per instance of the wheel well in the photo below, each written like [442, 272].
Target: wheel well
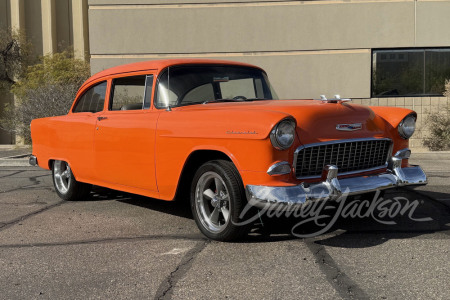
[50, 163]
[194, 161]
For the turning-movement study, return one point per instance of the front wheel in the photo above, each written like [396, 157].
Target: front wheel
[67, 187]
[217, 200]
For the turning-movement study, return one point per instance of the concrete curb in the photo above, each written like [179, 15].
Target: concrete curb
[15, 161]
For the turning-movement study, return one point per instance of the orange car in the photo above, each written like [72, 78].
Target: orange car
[216, 131]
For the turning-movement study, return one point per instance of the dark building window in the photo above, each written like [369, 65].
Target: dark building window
[410, 72]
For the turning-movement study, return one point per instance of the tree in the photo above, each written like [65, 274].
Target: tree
[46, 89]
[15, 56]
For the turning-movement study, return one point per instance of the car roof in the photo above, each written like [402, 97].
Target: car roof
[158, 65]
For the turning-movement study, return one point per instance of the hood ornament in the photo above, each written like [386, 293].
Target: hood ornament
[336, 99]
[349, 127]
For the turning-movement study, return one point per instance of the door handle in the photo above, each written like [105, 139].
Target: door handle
[102, 118]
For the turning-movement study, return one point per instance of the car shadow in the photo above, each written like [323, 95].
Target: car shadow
[348, 231]
[443, 198]
[99, 193]
[176, 208]
[401, 214]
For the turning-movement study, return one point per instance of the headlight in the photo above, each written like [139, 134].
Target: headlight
[282, 135]
[407, 127]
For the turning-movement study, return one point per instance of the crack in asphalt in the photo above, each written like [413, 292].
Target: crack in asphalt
[23, 204]
[33, 178]
[346, 287]
[35, 182]
[24, 217]
[20, 172]
[28, 188]
[165, 289]
[15, 173]
[107, 240]
[34, 185]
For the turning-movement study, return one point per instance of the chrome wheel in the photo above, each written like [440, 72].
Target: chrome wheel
[212, 201]
[62, 175]
[218, 200]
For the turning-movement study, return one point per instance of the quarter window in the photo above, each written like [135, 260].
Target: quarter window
[92, 100]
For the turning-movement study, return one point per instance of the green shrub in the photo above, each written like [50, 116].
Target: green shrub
[439, 125]
[46, 89]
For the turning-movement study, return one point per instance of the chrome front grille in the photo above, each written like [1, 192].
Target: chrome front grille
[350, 156]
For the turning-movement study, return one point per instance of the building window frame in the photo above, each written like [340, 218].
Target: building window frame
[425, 86]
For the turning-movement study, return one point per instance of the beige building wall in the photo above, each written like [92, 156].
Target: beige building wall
[298, 42]
[308, 48]
[51, 26]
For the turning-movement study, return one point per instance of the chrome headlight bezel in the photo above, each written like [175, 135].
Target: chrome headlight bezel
[282, 135]
[407, 126]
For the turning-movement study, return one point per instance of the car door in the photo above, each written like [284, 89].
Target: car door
[125, 135]
[77, 131]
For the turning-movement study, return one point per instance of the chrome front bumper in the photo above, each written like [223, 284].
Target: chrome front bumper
[274, 197]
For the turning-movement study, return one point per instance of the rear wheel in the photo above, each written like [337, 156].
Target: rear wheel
[67, 187]
[217, 200]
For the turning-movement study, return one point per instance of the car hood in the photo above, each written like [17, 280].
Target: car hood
[317, 121]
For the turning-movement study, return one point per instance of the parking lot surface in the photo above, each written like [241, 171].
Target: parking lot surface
[115, 246]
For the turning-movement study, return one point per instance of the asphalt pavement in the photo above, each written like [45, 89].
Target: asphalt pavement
[123, 246]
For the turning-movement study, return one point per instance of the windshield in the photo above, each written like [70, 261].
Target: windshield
[187, 85]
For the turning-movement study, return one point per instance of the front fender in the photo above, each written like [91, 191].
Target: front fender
[219, 124]
[180, 134]
[392, 116]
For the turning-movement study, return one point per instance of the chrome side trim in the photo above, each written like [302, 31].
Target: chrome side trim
[297, 151]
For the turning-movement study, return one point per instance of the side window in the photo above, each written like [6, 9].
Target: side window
[128, 93]
[92, 100]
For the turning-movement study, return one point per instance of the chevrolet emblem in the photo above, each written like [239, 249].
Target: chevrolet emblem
[349, 127]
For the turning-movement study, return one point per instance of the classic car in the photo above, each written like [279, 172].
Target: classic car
[215, 132]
